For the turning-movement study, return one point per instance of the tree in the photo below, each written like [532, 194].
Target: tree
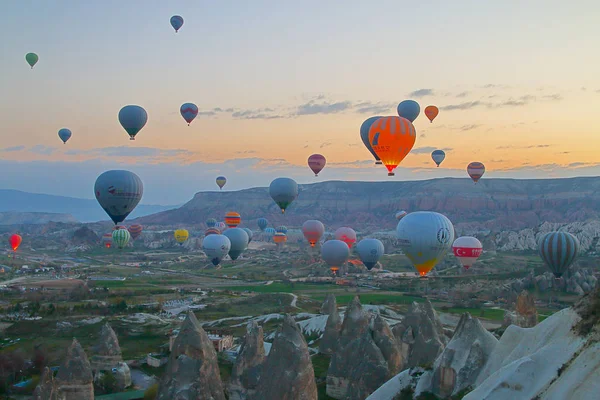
[40, 358]
[108, 383]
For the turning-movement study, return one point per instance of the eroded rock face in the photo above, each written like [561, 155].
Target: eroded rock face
[387, 343]
[74, 378]
[525, 314]
[463, 358]
[329, 304]
[192, 371]
[107, 358]
[288, 371]
[45, 389]
[247, 367]
[358, 367]
[331, 335]
[420, 335]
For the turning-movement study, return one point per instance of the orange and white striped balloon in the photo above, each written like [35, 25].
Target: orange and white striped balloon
[476, 170]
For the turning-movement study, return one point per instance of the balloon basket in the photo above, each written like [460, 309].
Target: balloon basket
[132, 138]
[378, 163]
[391, 174]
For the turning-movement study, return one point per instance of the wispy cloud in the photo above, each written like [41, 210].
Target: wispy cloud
[463, 106]
[368, 107]
[13, 148]
[462, 94]
[312, 107]
[421, 93]
[423, 150]
[470, 127]
[260, 113]
[325, 144]
[533, 146]
[43, 150]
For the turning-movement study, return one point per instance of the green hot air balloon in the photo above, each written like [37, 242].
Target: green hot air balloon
[120, 237]
[31, 59]
[239, 241]
[283, 191]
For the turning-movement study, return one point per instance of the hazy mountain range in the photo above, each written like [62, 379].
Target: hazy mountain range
[14, 202]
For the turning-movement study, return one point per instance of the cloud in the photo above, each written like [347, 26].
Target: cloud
[463, 106]
[470, 127]
[43, 150]
[564, 152]
[533, 146]
[356, 163]
[553, 97]
[422, 135]
[421, 93]
[325, 144]
[462, 94]
[576, 164]
[423, 150]
[313, 107]
[13, 148]
[368, 107]
[206, 113]
[133, 152]
[246, 152]
[260, 113]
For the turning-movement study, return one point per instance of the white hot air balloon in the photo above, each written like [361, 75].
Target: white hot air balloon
[467, 249]
[216, 247]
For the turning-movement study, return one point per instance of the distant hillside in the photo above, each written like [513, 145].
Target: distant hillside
[83, 210]
[492, 204]
[31, 218]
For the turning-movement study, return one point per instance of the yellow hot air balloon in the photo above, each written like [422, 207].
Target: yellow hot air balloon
[181, 235]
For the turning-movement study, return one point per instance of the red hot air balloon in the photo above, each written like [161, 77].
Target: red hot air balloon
[467, 249]
[135, 231]
[476, 170]
[346, 235]
[316, 163]
[15, 241]
[313, 231]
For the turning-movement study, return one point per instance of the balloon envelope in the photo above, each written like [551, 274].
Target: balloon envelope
[176, 22]
[316, 163]
[232, 219]
[15, 241]
[107, 240]
[211, 222]
[370, 251]
[212, 231]
[409, 109]
[476, 170]
[189, 111]
[64, 134]
[425, 237]
[558, 250]
[250, 234]
[438, 156]
[120, 237]
[132, 119]
[118, 193]
[279, 238]
[392, 139]
[283, 191]
[281, 229]
[313, 230]
[239, 241]
[346, 235]
[135, 231]
[216, 247]
[431, 112]
[221, 226]
[262, 223]
[467, 249]
[335, 253]
[31, 59]
[181, 235]
[401, 214]
[364, 136]
[270, 231]
[221, 181]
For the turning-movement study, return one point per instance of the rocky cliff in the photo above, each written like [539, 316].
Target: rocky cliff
[248, 364]
[492, 204]
[525, 314]
[107, 358]
[74, 378]
[45, 389]
[331, 334]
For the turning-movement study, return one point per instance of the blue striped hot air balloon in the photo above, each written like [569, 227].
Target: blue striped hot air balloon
[262, 223]
[558, 250]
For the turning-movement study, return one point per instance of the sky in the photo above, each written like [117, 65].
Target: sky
[516, 82]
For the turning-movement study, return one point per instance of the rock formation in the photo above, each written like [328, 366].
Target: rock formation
[420, 335]
[387, 343]
[462, 359]
[525, 314]
[289, 373]
[192, 371]
[85, 236]
[247, 367]
[358, 367]
[329, 304]
[74, 378]
[331, 335]
[107, 358]
[45, 389]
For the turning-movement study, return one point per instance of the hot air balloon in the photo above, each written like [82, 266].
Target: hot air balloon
[313, 231]
[364, 136]
[438, 156]
[335, 253]
[31, 59]
[212, 231]
[239, 241]
[64, 134]
[250, 234]
[135, 231]
[262, 223]
[15, 241]
[408, 109]
[216, 247]
[119, 227]
[558, 250]
[189, 111]
[283, 191]
[133, 119]
[392, 139]
[221, 181]
[476, 170]
[467, 249]
[282, 229]
[401, 214]
[346, 235]
[270, 231]
[118, 192]
[176, 22]
[279, 238]
[370, 251]
[211, 222]
[221, 226]
[107, 240]
[431, 112]
[316, 163]
[181, 235]
[121, 237]
[232, 219]
[425, 237]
